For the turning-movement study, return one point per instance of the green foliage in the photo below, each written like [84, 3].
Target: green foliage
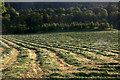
[3, 6]
[52, 19]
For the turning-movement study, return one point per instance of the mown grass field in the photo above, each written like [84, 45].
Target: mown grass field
[61, 55]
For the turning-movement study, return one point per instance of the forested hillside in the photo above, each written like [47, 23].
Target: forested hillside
[37, 17]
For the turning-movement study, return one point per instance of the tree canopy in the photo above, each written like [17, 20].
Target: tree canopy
[56, 19]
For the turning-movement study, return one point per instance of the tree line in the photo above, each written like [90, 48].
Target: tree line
[58, 19]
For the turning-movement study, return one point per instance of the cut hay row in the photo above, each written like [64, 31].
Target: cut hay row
[104, 56]
[9, 59]
[29, 54]
[47, 47]
[61, 62]
[77, 71]
[75, 55]
[91, 56]
[4, 44]
[60, 52]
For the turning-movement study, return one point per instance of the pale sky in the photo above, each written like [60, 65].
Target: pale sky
[62, 0]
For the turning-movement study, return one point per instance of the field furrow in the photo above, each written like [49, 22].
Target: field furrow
[61, 62]
[2, 50]
[73, 55]
[103, 56]
[4, 44]
[53, 48]
[34, 65]
[12, 59]
[90, 54]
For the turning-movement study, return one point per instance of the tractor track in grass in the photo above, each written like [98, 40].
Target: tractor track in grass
[45, 47]
[62, 64]
[107, 53]
[108, 59]
[71, 53]
[11, 59]
[35, 66]
[83, 58]
[35, 69]
[4, 44]
[111, 53]
[60, 61]
[104, 57]
[2, 50]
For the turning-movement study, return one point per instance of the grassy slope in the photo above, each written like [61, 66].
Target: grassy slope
[70, 48]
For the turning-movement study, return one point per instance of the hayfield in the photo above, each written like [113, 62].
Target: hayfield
[61, 55]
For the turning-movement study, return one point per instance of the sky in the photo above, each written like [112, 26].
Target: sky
[62, 0]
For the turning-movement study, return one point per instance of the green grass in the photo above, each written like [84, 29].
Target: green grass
[85, 53]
